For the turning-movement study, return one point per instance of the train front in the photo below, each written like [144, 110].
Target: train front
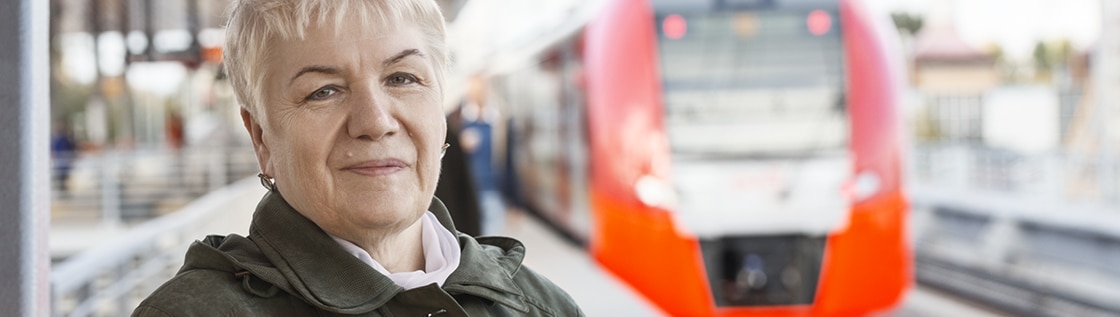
[745, 156]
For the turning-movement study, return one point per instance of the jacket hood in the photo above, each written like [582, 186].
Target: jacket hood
[288, 252]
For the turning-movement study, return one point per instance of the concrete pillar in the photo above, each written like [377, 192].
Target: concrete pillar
[1106, 77]
[24, 158]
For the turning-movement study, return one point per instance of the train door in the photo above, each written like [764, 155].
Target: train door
[548, 138]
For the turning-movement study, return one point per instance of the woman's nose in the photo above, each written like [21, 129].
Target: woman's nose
[371, 117]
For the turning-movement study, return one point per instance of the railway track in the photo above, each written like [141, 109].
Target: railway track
[1013, 297]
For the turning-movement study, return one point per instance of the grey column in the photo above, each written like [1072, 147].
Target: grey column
[1106, 71]
[24, 158]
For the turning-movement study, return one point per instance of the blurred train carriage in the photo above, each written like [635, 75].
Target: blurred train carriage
[723, 157]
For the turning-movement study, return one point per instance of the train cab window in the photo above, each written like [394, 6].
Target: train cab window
[753, 93]
[769, 74]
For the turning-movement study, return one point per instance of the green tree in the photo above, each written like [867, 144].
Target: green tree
[908, 23]
[1049, 55]
[1041, 56]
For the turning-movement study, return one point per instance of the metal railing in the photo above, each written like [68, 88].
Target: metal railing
[121, 186]
[111, 279]
[172, 194]
[1054, 175]
[990, 224]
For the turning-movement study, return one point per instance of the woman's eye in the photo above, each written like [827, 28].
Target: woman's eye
[323, 93]
[400, 79]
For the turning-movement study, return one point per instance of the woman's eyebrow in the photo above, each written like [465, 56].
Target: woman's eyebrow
[400, 56]
[328, 70]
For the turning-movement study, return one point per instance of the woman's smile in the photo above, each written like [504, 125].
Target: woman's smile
[377, 167]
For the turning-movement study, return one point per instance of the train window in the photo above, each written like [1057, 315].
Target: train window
[771, 77]
[549, 162]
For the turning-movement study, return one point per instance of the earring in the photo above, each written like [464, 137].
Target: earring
[443, 151]
[267, 182]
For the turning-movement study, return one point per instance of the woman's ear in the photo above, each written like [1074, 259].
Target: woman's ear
[256, 134]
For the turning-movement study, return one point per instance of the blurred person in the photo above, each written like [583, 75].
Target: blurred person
[173, 127]
[479, 131]
[456, 186]
[173, 131]
[63, 153]
[342, 100]
[511, 184]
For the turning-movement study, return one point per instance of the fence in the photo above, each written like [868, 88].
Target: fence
[1032, 234]
[126, 186]
[1055, 176]
[110, 279]
[173, 194]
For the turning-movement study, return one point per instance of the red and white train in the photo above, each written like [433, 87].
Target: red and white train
[723, 157]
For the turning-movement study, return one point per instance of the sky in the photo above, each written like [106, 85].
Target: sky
[1016, 25]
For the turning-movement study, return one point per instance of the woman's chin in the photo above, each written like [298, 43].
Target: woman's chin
[387, 211]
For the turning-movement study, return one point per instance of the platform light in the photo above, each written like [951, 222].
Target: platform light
[674, 26]
[819, 22]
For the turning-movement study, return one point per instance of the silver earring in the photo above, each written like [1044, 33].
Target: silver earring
[267, 182]
[443, 151]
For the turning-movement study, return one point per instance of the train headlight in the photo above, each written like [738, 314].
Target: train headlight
[655, 192]
[864, 186]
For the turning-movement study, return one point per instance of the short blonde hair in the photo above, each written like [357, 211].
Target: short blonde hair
[254, 24]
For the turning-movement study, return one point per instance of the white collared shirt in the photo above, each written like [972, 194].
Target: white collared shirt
[441, 255]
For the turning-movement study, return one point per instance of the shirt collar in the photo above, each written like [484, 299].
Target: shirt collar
[441, 255]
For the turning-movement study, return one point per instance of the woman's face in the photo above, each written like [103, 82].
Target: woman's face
[352, 127]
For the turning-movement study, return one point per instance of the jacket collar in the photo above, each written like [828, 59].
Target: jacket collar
[488, 272]
[323, 273]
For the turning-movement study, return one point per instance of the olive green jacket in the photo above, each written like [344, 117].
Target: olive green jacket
[289, 267]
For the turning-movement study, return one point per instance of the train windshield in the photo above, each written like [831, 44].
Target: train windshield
[761, 78]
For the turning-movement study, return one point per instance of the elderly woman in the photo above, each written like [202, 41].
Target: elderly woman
[342, 100]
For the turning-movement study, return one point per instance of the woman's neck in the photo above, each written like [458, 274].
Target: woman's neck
[400, 251]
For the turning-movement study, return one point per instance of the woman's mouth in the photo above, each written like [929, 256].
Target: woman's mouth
[378, 167]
